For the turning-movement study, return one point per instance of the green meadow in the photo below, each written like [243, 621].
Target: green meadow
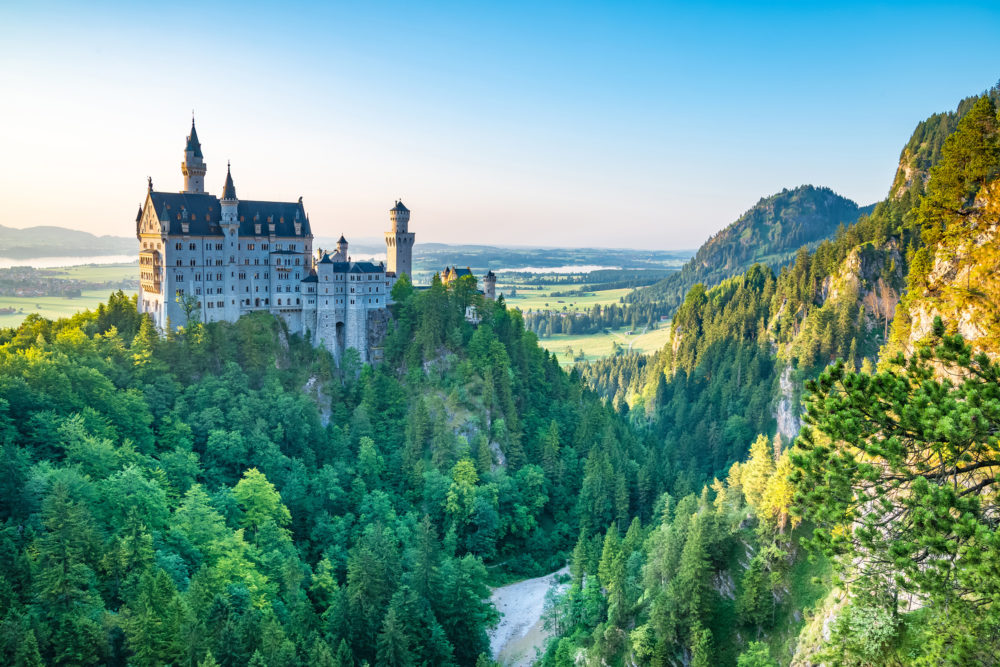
[597, 346]
[529, 298]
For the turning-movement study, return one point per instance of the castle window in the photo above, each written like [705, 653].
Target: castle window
[178, 246]
[192, 262]
[279, 302]
[191, 246]
[180, 263]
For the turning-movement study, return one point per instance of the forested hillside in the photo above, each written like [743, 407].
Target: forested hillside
[226, 496]
[769, 233]
[885, 334]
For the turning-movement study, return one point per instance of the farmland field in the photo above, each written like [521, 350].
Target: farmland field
[100, 273]
[598, 346]
[542, 299]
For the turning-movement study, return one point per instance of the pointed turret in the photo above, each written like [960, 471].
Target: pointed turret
[193, 145]
[229, 190]
[193, 167]
[229, 204]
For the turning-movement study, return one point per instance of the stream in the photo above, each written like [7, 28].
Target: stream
[520, 632]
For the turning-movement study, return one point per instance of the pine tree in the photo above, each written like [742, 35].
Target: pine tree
[27, 651]
[757, 471]
[393, 644]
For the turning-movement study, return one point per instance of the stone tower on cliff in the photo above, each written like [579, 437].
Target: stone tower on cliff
[399, 242]
[194, 164]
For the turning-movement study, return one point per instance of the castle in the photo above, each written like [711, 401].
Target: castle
[209, 259]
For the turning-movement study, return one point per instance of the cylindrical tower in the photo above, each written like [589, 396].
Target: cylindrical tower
[399, 242]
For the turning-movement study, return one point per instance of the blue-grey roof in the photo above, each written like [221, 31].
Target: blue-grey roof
[204, 214]
[399, 207]
[193, 144]
[352, 267]
[311, 278]
[365, 267]
[341, 239]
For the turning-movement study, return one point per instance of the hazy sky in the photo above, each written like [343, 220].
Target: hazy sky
[620, 124]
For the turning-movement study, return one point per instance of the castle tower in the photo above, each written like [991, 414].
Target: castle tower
[231, 231]
[193, 166]
[490, 285]
[341, 254]
[399, 242]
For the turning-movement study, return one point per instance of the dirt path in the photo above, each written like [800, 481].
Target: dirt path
[520, 632]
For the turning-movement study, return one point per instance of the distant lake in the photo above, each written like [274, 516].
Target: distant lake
[569, 268]
[55, 262]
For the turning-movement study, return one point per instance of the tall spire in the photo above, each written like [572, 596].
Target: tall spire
[229, 190]
[193, 145]
[193, 167]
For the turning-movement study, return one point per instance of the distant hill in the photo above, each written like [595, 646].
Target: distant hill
[51, 241]
[769, 233]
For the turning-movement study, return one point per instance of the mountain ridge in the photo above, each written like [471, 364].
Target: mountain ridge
[770, 232]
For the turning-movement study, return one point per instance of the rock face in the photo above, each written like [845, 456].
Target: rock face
[378, 328]
[963, 281]
[787, 418]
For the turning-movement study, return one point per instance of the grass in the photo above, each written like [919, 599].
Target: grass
[100, 273]
[52, 307]
[600, 345]
[542, 299]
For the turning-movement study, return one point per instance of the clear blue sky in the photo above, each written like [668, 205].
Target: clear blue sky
[621, 124]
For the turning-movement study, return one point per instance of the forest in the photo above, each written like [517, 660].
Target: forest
[226, 495]
[880, 519]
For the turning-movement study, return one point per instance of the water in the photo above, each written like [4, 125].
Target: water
[55, 262]
[569, 268]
